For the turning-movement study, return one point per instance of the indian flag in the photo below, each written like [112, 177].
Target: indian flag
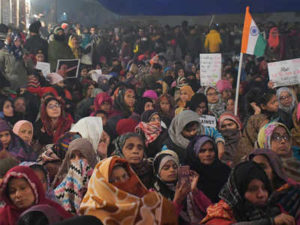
[253, 43]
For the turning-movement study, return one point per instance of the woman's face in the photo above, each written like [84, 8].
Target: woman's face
[20, 105]
[230, 78]
[184, 96]
[190, 131]
[201, 109]
[26, 132]
[169, 171]
[281, 142]
[230, 105]
[264, 163]
[226, 94]
[212, 96]
[256, 193]
[272, 105]
[285, 98]
[5, 138]
[229, 125]
[148, 106]
[155, 120]
[119, 175]
[181, 73]
[76, 156]
[164, 105]
[129, 98]
[20, 193]
[90, 90]
[207, 154]
[133, 150]
[106, 106]
[53, 109]
[8, 109]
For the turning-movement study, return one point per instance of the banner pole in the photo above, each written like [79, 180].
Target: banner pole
[238, 85]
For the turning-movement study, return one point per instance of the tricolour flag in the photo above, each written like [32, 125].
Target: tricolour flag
[253, 43]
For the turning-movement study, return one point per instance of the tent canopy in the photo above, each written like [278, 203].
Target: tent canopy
[197, 7]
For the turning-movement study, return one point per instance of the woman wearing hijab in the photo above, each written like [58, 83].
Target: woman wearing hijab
[74, 174]
[165, 106]
[7, 111]
[131, 146]
[286, 190]
[186, 93]
[190, 203]
[24, 129]
[12, 145]
[230, 127]
[152, 132]
[287, 104]
[122, 108]
[199, 104]
[203, 158]
[113, 187]
[54, 122]
[277, 137]
[20, 190]
[244, 200]
[103, 102]
[215, 103]
[184, 127]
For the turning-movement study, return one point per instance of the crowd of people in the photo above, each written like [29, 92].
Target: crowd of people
[123, 143]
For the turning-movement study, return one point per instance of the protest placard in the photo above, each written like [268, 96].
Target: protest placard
[210, 69]
[68, 68]
[44, 67]
[208, 121]
[285, 73]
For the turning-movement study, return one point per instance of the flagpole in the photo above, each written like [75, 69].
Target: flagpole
[238, 85]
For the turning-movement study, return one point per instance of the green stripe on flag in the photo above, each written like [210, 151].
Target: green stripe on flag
[260, 46]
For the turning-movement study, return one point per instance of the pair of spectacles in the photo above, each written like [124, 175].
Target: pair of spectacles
[53, 106]
[279, 138]
[282, 98]
[212, 94]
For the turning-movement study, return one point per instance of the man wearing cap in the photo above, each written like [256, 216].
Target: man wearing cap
[58, 48]
[35, 43]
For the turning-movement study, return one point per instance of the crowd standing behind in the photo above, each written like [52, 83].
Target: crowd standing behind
[123, 143]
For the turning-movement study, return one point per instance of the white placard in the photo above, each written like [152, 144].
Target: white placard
[285, 73]
[44, 67]
[208, 121]
[210, 69]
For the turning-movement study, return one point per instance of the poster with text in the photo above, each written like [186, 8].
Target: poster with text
[285, 73]
[210, 69]
[68, 68]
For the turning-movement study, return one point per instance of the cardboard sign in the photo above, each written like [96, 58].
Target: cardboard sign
[285, 73]
[68, 68]
[44, 67]
[210, 69]
[208, 121]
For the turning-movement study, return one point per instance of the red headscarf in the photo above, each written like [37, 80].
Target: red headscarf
[273, 40]
[62, 125]
[10, 214]
[100, 98]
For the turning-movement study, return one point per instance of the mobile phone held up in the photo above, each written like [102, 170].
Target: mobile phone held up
[184, 175]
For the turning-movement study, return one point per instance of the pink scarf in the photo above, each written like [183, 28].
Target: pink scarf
[151, 132]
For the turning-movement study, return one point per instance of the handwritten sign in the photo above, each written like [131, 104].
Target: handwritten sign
[208, 121]
[44, 67]
[285, 73]
[210, 69]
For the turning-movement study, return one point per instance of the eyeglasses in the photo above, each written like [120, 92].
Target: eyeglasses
[212, 94]
[279, 138]
[53, 106]
[282, 98]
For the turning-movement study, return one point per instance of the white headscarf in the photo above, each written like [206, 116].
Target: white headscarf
[290, 108]
[90, 128]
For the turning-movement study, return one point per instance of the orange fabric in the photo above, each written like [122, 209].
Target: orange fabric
[273, 40]
[246, 30]
[220, 212]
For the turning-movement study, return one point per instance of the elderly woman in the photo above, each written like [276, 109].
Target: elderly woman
[287, 104]
[244, 200]
[203, 158]
[24, 129]
[131, 146]
[116, 194]
[277, 137]
[190, 202]
[287, 191]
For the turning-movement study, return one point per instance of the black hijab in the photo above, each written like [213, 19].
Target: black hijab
[211, 177]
